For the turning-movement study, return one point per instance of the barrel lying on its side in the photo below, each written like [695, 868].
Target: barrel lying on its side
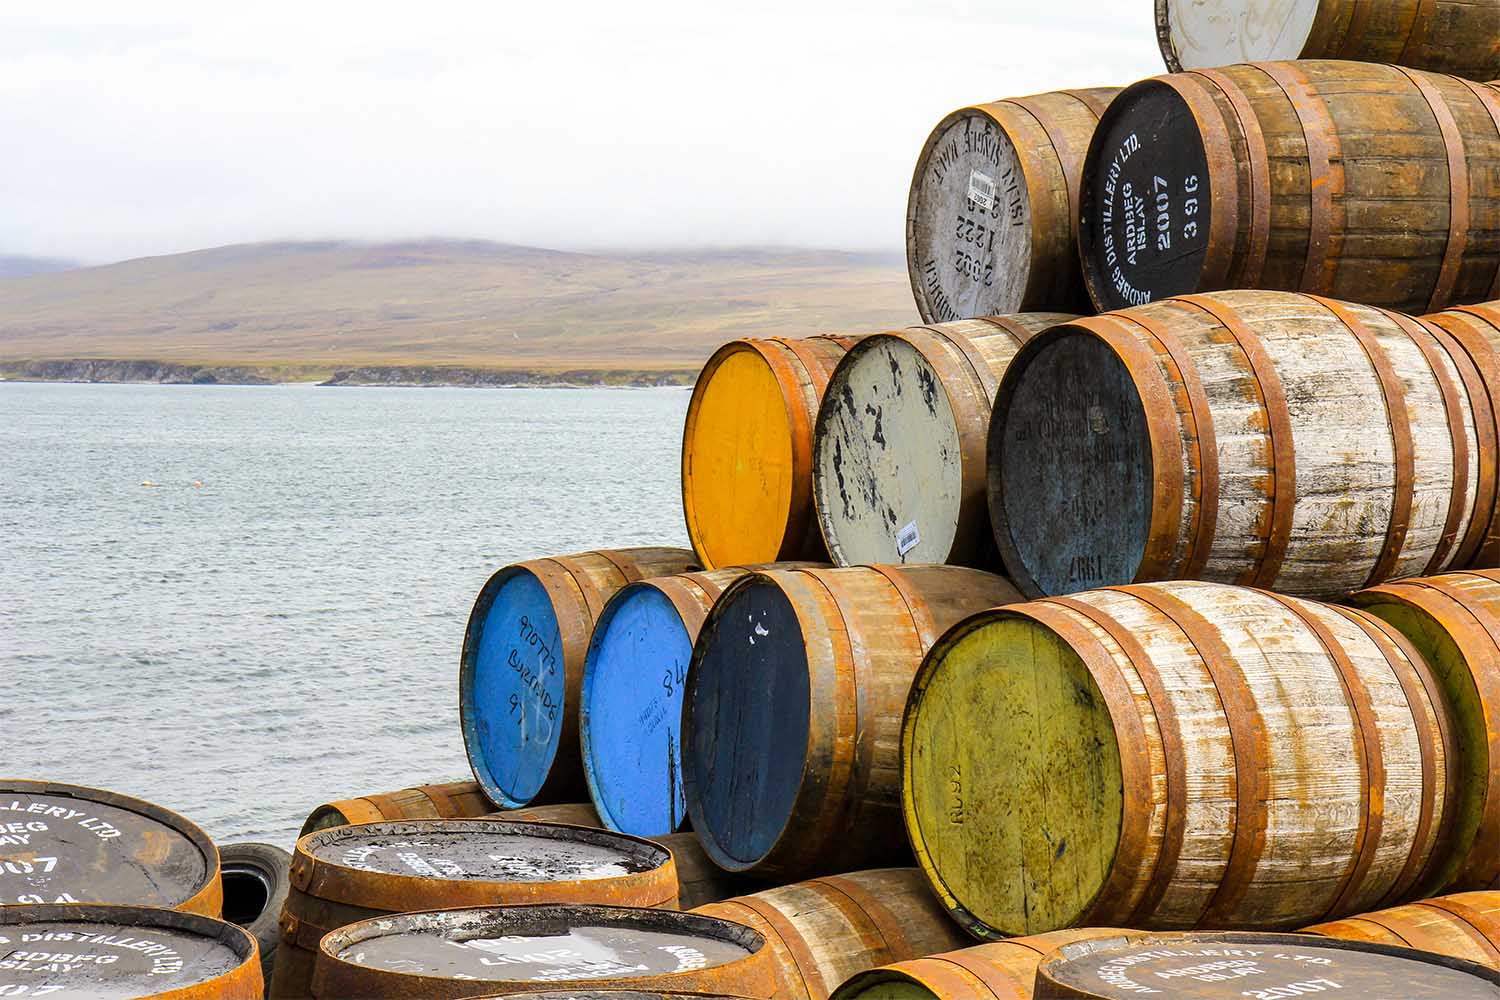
[1174, 755]
[825, 930]
[793, 710]
[1461, 37]
[488, 951]
[747, 450]
[522, 664]
[448, 800]
[1367, 183]
[1264, 438]
[1466, 926]
[989, 221]
[70, 844]
[1454, 622]
[898, 451]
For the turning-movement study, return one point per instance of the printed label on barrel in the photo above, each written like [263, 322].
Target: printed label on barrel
[60, 849]
[66, 959]
[970, 223]
[1145, 216]
[491, 856]
[569, 954]
[1247, 971]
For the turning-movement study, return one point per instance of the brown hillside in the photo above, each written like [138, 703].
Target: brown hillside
[444, 302]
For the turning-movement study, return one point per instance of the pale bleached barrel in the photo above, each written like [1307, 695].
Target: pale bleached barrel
[522, 665]
[825, 930]
[899, 447]
[1465, 925]
[1461, 37]
[793, 712]
[990, 217]
[1369, 183]
[1260, 438]
[1453, 620]
[1171, 756]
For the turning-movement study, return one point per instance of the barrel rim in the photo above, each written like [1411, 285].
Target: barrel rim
[207, 900]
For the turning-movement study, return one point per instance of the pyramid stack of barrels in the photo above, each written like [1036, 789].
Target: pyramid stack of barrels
[1138, 609]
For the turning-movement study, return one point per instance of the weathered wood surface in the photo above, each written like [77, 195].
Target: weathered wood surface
[792, 717]
[445, 800]
[1260, 438]
[899, 445]
[1368, 183]
[1472, 336]
[990, 217]
[1461, 37]
[1175, 755]
[1465, 925]
[1232, 966]
[1001, 970]
[747, 450]
[1454, 622]
[522, 666]
[500, 950]
[825, 930]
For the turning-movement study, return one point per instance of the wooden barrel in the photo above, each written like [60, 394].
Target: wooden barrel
[498, 950]
[747, 450]
[1173, 755]
[793, 710]
[614, 995]
[1454, 622]
[351, 873]
[898, 450]
[1262, 438]
[1466, 926]
[990, 218]
[1001, 970]
[825, 930]
[630, 709]
[69, 844]
[1362, 182]
[567, 813]
[102, 950]
[448, 800]
[1461, 37]
[522, 664]
[1473, 336]
[1232, 966]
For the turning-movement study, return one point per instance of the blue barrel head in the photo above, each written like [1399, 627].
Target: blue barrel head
[746, 723]
[512, 687]
[630, 713]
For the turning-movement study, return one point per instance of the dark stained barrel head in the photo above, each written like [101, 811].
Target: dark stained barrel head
[105, 952]
[969, 240]
[1143, 231]
[1070, 466]
[512, 686]
[1225, 965]
[630, 713]
[67, 844]
[746, 722]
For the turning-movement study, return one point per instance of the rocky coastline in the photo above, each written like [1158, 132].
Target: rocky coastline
[171, 373]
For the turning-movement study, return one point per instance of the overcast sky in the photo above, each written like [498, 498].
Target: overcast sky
[156, 126]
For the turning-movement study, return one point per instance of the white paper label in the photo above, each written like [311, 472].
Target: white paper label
[982, 190]
[907, 539]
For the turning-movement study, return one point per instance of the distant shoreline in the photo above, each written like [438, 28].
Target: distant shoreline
[137, 372]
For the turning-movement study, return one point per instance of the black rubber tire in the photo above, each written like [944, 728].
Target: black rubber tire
[256, 878]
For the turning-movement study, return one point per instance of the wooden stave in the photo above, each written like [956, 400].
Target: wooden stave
[1139, 890]
[845, 741]
[444, 800]
[1285, 112]
[1150, 341]
[801, 368]
[1476, 333]
[578, 586]
[870, 918]
[1464, 925]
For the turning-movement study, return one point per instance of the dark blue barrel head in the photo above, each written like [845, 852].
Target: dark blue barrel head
[630, 713]
[746, 723]
[512, 687]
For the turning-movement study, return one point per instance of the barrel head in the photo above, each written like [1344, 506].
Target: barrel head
[631, 713]
[1144, 218]
[1198, 34]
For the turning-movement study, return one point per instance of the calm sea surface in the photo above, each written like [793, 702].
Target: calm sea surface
[288, 632]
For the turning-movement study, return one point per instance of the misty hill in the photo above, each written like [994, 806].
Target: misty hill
[334, 304]
[25, 267]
